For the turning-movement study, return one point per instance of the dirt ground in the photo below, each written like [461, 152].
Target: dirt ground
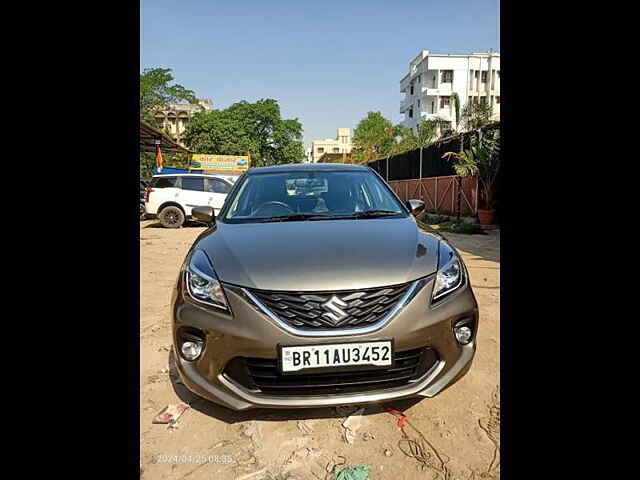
[460, 425]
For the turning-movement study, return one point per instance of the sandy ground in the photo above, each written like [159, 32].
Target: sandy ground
[460, 425]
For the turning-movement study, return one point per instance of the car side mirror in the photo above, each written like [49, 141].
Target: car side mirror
[204, 214]
[416, 207]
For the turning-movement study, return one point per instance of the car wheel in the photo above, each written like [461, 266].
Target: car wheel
[171, 217]
[143, 212]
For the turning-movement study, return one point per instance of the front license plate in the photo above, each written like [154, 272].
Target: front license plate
[335, 357]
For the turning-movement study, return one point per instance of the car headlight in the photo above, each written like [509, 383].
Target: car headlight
[203, 285]
[450, 275]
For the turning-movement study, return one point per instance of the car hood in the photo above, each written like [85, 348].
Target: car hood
[321, 255]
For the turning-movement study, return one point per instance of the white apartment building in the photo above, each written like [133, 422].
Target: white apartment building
[341, 144]
[433, 77]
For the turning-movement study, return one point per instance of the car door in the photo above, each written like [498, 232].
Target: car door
[218, 190]
[163, 189]
[193, 193]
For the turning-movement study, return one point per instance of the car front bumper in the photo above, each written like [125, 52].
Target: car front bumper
[249, 332]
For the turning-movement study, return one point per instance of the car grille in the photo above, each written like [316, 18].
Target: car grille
[310, 311]
[262, 375]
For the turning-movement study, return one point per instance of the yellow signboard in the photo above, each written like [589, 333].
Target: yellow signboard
[220, 163]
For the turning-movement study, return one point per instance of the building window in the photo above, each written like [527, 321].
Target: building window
[336, 150]
[447, 76]
[411, 112]
[497, 99]
[418, 78]
[445, 102]
[470, 99]
[484, 77]
[320, 150]
[412, 89]
[483, 100]
[418, 103]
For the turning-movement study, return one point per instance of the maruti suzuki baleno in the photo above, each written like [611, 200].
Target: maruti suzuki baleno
[315, 286]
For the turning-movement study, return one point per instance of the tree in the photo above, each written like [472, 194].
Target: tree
[456, 106]
[373, 137]
[482, 158]
[156, 93]
[427, 133]
[257, 127]
[476, 115]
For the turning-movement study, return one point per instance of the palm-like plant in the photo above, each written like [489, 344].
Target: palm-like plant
[482, 158]
[456, 106]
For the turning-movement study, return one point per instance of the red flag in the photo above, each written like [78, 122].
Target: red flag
[158, 157]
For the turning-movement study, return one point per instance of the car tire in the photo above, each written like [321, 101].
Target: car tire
[171, 217]
[143, 211]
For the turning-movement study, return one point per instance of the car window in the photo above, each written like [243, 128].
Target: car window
[193, 183]
[337, 194]
[164, 182]
[217, 186]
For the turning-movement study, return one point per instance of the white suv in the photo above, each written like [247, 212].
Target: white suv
[170, 197]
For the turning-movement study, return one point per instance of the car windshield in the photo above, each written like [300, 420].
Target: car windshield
[311, 195]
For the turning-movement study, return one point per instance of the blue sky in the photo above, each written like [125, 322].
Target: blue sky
[327, 63]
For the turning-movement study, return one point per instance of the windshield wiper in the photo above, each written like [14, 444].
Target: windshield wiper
[372, 214]
[293, 217]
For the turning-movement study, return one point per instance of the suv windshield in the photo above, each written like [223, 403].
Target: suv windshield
[311, 195]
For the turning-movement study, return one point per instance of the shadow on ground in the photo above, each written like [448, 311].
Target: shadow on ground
[276, 415]
[484, 247]
[187, 224]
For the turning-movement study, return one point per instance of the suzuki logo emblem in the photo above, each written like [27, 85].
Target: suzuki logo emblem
[334, 308]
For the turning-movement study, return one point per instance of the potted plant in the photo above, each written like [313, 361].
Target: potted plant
[482, 158]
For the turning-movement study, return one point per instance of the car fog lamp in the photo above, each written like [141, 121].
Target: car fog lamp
[463, 334]
[191, 350]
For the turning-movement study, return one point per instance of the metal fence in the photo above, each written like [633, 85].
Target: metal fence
[440, 194]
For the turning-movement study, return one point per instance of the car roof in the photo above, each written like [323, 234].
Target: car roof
[308, 167]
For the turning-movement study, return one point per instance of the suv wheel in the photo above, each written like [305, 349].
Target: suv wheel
[171, 217]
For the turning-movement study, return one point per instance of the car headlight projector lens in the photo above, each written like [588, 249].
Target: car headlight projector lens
[191, 350]
[202, 282]
[450, 273]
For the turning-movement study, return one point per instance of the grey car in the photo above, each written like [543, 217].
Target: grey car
[315, 286]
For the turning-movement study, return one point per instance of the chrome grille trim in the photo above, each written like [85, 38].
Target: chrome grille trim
[411, 292]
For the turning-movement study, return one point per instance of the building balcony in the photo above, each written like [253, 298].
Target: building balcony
[441, 90]
[442, 114]
[406, 103]
[404, 83]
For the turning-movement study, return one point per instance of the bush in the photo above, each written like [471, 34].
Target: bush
[434, 219]
[461, 227]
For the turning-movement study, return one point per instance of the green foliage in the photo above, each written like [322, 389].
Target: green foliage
[482, 158]
[456, 104]
[476, 115]
[376, 137]
[257, 127]
[148, 161]
[459, 226]
[373, 137]
[156, 92]
[434, 219]
[427, 133]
